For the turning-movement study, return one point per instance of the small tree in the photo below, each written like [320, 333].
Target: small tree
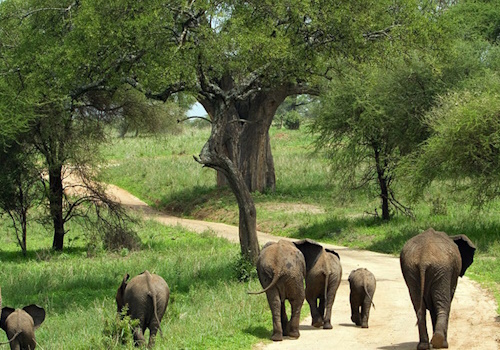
[370, 118]
[19, 187]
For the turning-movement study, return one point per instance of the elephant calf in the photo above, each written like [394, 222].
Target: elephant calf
[431, 263]
[362, 284]
[20, 325]
[146, 296]
[323, 276]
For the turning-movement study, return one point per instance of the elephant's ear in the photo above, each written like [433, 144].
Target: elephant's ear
[333, 252]
[311, 251]
[6, 311]
[467, 250]
[119, 293]
[37, 313]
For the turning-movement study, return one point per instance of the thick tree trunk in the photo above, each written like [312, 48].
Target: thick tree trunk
[247, 142]
[56, 205]
[216, 154]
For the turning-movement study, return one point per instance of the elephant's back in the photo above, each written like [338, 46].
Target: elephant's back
[21, 321]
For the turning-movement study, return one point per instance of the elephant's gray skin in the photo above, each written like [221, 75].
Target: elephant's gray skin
[323, 276]
[147, 298]
[362, 284]
[20, 325]
[281, 269]
[431, 263]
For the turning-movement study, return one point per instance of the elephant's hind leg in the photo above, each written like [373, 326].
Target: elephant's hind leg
[295, 318]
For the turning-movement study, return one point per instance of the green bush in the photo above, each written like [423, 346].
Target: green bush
[291, 120]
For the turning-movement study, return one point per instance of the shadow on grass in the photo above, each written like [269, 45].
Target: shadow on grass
[42, 254]
[185, 202]
[258, 332]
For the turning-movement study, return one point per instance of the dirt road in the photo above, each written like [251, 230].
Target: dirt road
[474, 323]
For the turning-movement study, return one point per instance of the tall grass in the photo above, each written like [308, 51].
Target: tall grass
[306, 202]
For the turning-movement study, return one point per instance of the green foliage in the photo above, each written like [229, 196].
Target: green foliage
[244, 268]
[118, 330]
[371, 117]
[465, 144]
[291, 120]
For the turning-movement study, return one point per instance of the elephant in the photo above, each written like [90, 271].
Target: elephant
[362, 284]
[146, 296]
[323, 276]
[281, 268]
[431, 263]
[20, 325]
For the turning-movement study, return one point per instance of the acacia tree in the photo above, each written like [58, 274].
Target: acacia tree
[371, 118]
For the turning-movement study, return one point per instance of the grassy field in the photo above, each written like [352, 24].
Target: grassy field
[210, 308]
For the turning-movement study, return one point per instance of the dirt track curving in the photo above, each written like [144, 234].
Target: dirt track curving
[474, 323]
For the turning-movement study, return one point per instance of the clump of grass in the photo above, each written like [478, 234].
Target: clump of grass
[118, 330]
[244, 268]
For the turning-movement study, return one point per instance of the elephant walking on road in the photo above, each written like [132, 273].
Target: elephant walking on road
[362, 284]
[323, 276]
[281, 269]
[147, 298]
[20, 325]
[431, 263]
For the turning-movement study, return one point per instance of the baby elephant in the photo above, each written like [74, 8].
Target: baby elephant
[362, 283]
[20, 325]
[146, 296]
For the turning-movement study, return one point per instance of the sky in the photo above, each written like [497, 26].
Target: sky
[197, 111]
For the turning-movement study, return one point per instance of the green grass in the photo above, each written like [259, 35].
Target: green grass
[306, 202]
[209, 308]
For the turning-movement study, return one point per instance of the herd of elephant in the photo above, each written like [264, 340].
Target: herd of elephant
[431, 263]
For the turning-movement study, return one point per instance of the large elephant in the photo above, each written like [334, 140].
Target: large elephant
[362, 284]
[431, 263]
[146, 296]
[323, 276]
[20, 325]
[281, 269]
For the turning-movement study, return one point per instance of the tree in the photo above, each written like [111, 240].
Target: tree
[19, 187]
[463, 147]
[53, 72]
[371, 118]
[465, 142]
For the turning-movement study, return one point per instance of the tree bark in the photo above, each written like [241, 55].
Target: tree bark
[247, 142]
[216, 154]
[382, 181]
[56, 205]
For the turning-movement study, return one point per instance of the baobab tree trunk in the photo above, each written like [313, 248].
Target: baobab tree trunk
[216, 154]
[247, 142]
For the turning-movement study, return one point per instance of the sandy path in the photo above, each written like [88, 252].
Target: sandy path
[473, 324]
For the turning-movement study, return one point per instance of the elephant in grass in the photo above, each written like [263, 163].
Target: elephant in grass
[20, 325]
[362, 284]
[323, 276]
[146, 296]
[281, 268]
[431, 263]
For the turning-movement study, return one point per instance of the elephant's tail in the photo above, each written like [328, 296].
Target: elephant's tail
[421, 315]
[368, 294]
[276, 277]
[152, 294]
